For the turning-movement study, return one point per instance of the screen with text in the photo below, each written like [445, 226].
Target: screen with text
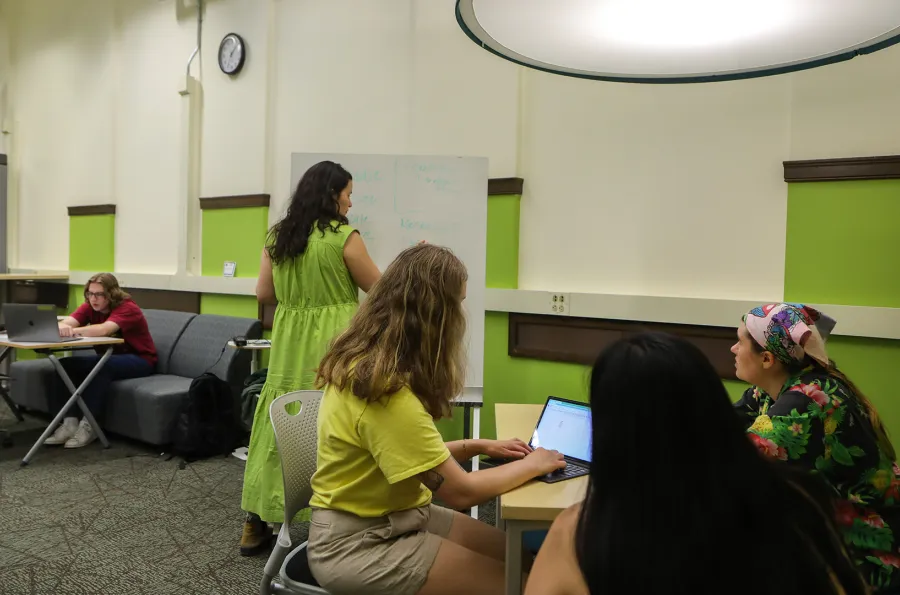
[565, 427]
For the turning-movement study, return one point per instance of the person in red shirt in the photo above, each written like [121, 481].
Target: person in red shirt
[107, 311]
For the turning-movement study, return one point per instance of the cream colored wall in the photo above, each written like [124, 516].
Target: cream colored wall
[5, 75]
[629, 189]
[641, 189]
[395, 76]
[648, 190]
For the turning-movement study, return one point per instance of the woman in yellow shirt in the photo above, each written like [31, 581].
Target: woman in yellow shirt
[386, 380]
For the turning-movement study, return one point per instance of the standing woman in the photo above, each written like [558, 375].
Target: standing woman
[312, 266]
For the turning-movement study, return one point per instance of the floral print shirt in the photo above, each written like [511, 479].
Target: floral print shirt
[818, 424]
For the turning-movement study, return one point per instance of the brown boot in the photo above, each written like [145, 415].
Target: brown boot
[256, 537]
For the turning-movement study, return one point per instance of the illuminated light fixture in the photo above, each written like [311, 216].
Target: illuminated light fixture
[679, 41]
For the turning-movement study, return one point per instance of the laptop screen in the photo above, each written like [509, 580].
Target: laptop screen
[564, 427]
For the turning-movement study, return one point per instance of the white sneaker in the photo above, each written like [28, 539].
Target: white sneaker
[64, 432]
[84, 436]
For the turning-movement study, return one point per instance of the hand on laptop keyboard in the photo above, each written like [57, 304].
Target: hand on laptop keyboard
[546, 461]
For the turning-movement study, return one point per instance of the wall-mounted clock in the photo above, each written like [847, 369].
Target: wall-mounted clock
[232, 53]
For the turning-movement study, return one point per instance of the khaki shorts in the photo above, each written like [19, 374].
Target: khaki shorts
[389, 555]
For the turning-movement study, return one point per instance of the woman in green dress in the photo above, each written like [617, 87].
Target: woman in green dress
[312, 266]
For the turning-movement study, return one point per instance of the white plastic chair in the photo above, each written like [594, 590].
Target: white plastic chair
[295, 436]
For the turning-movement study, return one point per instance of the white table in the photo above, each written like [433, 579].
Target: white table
[50, 349]
[255, 346]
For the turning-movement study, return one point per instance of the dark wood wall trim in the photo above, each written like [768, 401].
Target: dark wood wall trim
[834, 170]
[165, 299]
[92, 210]
[3, 159]
[234, 202]
[580, 340]
[505, 186]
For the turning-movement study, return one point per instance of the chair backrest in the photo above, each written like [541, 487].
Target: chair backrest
[296, 437]
[166, 327]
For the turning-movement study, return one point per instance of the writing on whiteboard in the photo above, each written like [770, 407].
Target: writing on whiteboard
[400, 200]
[366, 175]
[425, 225]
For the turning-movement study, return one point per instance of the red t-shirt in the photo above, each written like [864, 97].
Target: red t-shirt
[132, 328]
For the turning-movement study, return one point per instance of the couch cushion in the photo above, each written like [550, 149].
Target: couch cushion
[31, 381]
[203, 346]
[146, 408]
[166, 327]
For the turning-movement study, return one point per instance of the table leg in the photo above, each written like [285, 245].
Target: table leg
[514, 532]
[254, 361]
[476, 434]
[75, 398]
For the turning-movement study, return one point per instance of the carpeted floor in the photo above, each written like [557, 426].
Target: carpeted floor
[94, 521]
[123, 520]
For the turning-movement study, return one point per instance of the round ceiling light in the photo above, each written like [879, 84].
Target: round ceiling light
[675, 41]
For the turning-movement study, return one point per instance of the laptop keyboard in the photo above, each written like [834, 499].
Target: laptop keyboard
[570, 471]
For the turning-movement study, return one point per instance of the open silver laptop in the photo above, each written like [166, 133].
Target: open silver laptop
[32, 323]
[564, 426]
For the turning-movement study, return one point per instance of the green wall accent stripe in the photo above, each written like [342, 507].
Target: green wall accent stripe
[843, 243]
[92, 243]
[503, 241]
[244, 306]
[857, 266]
[233, 235]
[843, 247]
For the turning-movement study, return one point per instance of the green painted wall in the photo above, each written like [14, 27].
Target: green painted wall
[233, 235]
[92, 247]
[843, 247]
[843, 244]
[858, 266]
[502, 264]
[92, 243]
[229, 305]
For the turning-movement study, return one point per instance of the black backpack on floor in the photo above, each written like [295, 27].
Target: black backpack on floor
[208, 424]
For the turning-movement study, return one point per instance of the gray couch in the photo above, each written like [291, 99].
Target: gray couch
[145, 409]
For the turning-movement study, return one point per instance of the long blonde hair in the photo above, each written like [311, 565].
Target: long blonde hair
[409, 331]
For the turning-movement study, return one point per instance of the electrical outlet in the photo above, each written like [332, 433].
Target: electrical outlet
[560, 303]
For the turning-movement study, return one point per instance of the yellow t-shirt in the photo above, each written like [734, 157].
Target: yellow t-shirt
[370, 453]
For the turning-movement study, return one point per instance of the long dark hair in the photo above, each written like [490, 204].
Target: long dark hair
[796, 368]
[314, 203]
[680, 501]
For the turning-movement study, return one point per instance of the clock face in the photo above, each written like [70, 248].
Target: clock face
[231, 53]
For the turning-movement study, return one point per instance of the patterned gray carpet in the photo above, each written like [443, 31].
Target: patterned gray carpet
[122, 520]
[94, 521]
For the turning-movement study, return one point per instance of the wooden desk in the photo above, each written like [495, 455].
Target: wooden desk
[49, 349]
[534, 505]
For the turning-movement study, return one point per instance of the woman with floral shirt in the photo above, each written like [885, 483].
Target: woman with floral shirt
[802, 410]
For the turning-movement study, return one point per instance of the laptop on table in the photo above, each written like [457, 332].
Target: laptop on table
[564, 426]
[32, 323]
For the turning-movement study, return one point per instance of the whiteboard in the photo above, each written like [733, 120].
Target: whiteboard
[399, 200]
